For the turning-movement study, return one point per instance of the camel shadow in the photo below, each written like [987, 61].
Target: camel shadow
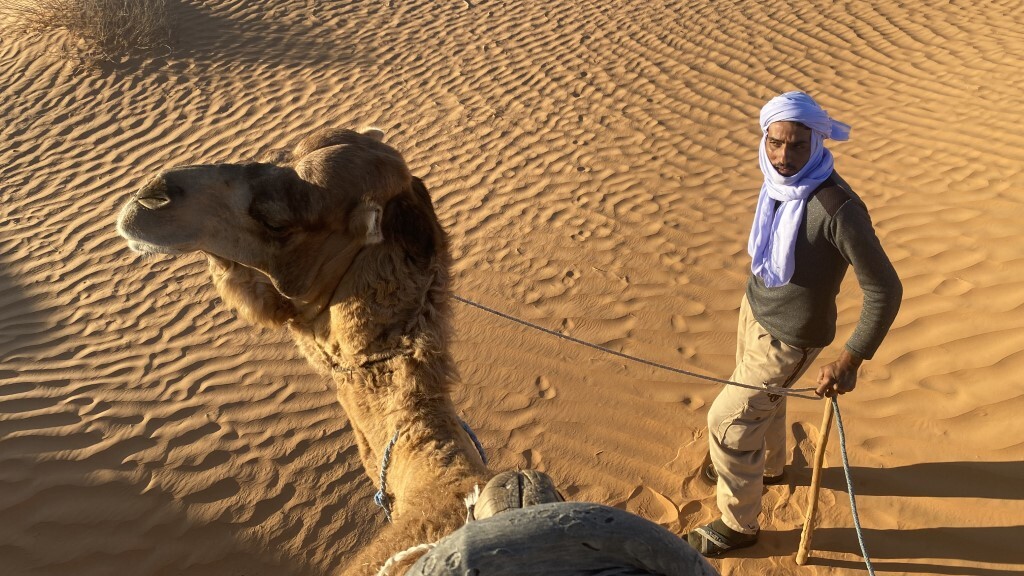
[71, 503]
[22, 327]
[83, 479]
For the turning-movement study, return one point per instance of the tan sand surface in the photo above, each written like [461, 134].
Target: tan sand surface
[595, 165]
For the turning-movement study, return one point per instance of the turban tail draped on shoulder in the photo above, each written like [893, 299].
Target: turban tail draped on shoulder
[772, 242]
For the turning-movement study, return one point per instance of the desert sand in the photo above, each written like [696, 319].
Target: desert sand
[595, 166]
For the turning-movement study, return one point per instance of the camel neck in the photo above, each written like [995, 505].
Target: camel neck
[408, 396]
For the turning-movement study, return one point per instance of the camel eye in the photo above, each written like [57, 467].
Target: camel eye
[276, 228]
[272, 217]
[273, 224]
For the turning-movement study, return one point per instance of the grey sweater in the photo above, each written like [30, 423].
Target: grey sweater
[836, 233]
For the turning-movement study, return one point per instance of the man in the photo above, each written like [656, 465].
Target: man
[809, 227]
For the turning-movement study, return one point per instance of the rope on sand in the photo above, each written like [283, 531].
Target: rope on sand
[849, 486]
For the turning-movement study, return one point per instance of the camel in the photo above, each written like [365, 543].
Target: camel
[338, 243]
[341, 247]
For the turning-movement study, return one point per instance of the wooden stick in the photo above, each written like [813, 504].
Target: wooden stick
[812, 498]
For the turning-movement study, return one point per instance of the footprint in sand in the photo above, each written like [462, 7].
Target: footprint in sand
[679, 324]
[544, 388]
[581, 235]
[953, 287]
[652, 505]
[569, 278]
[534, 460]
[687, 352]
[673, 261]
[696, 512]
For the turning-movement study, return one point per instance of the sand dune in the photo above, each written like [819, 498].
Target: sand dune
[595, 165]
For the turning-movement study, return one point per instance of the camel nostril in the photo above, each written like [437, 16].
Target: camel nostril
[153, 201]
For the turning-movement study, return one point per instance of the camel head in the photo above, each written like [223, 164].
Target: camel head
[281, 237]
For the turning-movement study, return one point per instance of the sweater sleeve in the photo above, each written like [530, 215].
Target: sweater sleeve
[854, 237]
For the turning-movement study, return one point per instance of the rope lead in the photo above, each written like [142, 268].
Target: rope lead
[849, 486]
[381, 497]
[795, 392]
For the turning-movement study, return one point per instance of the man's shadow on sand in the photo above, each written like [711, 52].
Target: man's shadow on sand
[987, 480]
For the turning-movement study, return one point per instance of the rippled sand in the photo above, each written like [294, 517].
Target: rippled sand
[595, 165]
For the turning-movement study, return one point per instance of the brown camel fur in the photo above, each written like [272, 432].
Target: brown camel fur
[340, 244]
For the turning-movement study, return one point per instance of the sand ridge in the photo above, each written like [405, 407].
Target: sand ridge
[594, 163]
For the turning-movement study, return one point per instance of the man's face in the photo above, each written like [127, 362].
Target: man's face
[788, 145]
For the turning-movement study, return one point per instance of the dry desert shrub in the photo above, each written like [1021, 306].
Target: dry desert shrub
[98, 30]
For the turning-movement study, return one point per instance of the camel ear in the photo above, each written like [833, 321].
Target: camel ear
[365, 222]
[373, 132]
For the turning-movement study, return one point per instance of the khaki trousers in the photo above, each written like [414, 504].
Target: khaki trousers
[747, 428]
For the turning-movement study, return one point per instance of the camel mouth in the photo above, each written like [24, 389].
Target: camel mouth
[142, 247]
[153, 201]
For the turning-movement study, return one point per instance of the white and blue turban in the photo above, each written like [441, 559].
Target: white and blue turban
[772, 242]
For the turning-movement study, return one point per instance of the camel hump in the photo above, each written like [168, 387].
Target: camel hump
[373, 132]
[327, 137]
[515, 489]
